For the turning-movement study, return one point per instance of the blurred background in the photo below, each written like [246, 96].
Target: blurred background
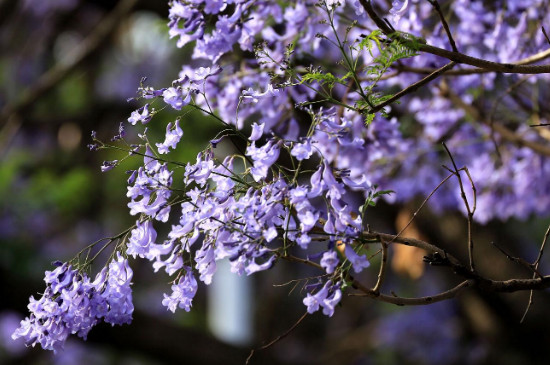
[67, 67]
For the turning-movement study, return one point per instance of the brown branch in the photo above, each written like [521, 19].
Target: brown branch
[413, 87]
[469, 71]
[535, 268]
[517, 260]
[457, 57]
[449, 294]
[382, 271]
[376, 236]
[472, 279]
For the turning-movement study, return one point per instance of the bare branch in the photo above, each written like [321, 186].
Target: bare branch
[413, 87]
[382, 272]
[470, 211]
[437, 8]
[536, 267]
[423, 204]
[518, 260]
[451, 293]
[278, 338]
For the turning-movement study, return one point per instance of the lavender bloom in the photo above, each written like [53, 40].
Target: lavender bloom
[358, 262]
[203, 73]
[253, 267]
[257, 131]
[75, 306]
[330, 261]
[312, 302]
[199, 172]
[302, 151]
[141, 239]
[398, 9]
[206, 264]
[327, 298]
[330, 302]
[263, 158]
[182, 293]
[152, 183]
[117, 293]
[176, 97]
[173, 136]
[253, 96]
[108, 165]
[142, 115]
[186, 22]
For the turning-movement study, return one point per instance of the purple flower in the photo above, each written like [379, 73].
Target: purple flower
[142, 115]
[330, 261]
[77, 304]
[182, 293]
[358, 262]
[302, 151]
[257, 131]
[327, 297]
[141, 239]
[330, 302]
[312, 302]
[206, 265]
[108, 165]
[253, 96]
[118, 294]
[399, 7]
[253, 267]
[203, 73]
[173, 136]
[179, 95]
[263, 158]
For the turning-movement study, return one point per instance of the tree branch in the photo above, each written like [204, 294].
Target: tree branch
[413, 87]
[457, 57]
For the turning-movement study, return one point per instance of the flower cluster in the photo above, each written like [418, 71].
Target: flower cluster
[72, 304]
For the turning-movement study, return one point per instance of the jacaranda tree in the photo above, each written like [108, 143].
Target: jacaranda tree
[325, 107]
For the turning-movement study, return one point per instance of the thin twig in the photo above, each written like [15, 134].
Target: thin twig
[536, 268]
[437, 8]
[423, 204]
[469, 211]
[413, 87]
[382, 272]
[518, 260]
[278, 338]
